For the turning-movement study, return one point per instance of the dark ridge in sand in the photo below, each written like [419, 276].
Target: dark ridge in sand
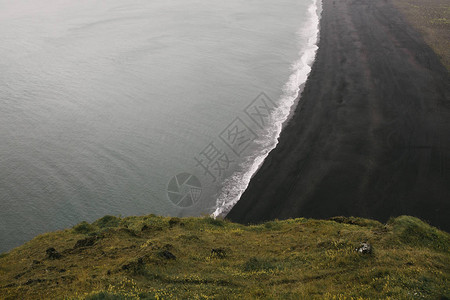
[371, 135]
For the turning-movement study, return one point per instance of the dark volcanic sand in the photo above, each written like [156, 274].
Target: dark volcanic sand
[371, 135]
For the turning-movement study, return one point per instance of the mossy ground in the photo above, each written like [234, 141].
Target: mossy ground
[128, 258]
[432, 19]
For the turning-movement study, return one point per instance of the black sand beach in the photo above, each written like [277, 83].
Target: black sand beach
[371, 134]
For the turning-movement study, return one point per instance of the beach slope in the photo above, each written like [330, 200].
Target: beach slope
[371, 134]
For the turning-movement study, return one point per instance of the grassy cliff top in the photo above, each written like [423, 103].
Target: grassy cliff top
[153, 257]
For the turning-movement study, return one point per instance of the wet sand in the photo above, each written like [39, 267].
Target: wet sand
[371, 134]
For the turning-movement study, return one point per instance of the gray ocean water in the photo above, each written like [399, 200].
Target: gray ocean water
[103, 103]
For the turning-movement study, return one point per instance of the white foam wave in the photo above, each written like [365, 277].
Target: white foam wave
[236, 184]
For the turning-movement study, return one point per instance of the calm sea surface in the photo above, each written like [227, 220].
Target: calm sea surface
[103, 103]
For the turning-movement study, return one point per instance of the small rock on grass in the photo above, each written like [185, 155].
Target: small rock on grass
[52, 253]
[364, 248]
[218, 253]
[167, 254]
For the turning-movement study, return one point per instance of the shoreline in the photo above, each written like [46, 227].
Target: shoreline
[369, 137]
[237, 183]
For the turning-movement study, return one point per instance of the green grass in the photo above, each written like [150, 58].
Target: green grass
[107, 221]
[432, 19]
[152, 257]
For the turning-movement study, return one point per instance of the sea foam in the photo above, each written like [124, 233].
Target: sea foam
[236, 184]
